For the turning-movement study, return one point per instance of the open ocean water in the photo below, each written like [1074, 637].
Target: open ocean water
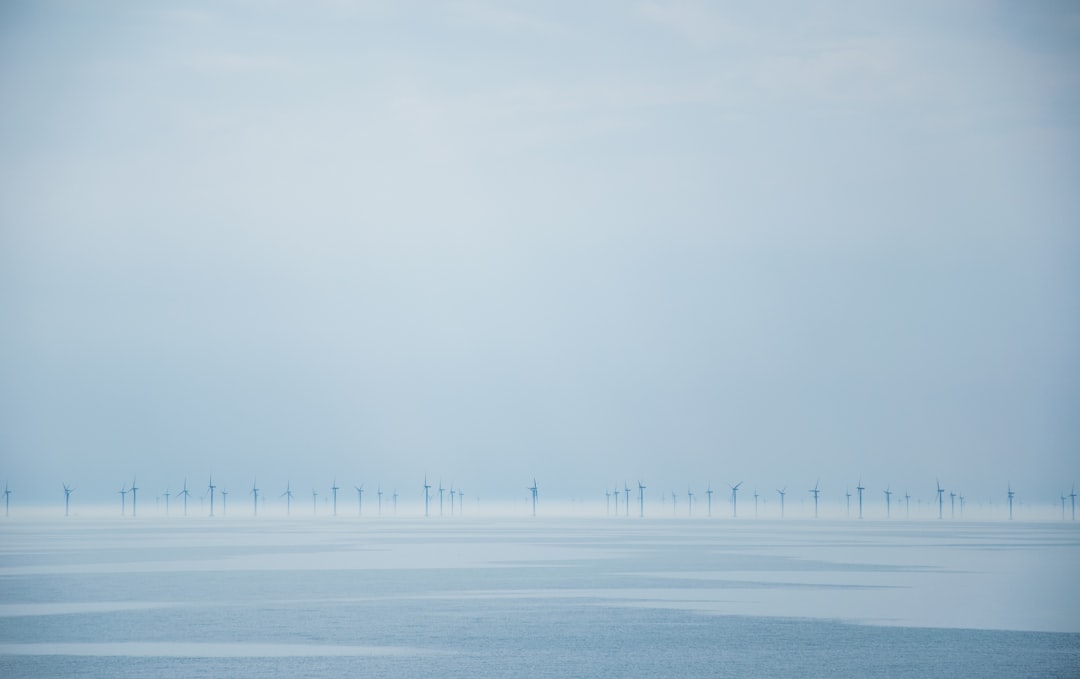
[537, 597]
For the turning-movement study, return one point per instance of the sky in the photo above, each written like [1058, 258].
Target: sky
[588, 243]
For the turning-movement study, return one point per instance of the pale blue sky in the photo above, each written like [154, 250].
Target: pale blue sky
[586, 242]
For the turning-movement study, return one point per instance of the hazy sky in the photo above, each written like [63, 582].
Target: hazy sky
[586, 242]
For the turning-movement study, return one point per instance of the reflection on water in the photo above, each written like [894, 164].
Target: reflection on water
[554, 597]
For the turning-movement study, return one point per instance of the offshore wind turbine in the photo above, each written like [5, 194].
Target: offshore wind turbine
[288, 498]
[674, 503]
[616, 500]
[461, 501]
[607, 503]
[755, 502]
[123, 498]
[314, 501]
[961, 505]
[427, 496]
[888, 503]
[334, 489]
[1072, 496]
[394, 497]
[453, 495]
[360, 499]
[847, 494]
[815, 490]
[641, 499]
[940, 500]
[185, 494]
[7, 501]
[782, 494]
[689, 502]
[907, 505]
[211, 487]
[735, 500]
[534, 490]
[255, 494]
[859, 489]
[378, 492]
[134, 489]
[67, 498]
[441, 489]
[708, 494]
[626, 489]
[224, 503]
[952, 505]
[1011, 493]
[167, 494]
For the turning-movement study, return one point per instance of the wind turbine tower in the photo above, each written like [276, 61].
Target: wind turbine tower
[360, 500]
[453, 496]
[211, 487]
[224, 502]
[940, 500]
[1072, 496]
[907, 505]
[394, 497]
[626, 489]
[1011, 493]
[616, 500]
[288, 498]
[534, 490]
[952, 505]
[641, 499]
[378, 492]
[334, 489]
[7, 502]
[859, 489]
[782, 494]
[708, 495]
[67, 498]
[255, 495]
[314, 501]
[674, 503]
[427, 496]
[123, 498]
[815, 490]
[888, 503]
[134, 489]
[607, 504]
[441, 489]
[847, 494]
[735, 500]
[185, 495]
[961, 505]
[755, 502]
[167, 494]
[689, 502]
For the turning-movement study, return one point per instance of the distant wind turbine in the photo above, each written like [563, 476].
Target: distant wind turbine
[1011, 493]
[184, 493]
[7, 502]
[814, 491]
[224, 503]
[782, 494]
[888, 503]
[847, 494]
[453, 496]
[952, 505]
[940, 500]
[961, 505]
[211, 487]
[607, 503]
[67, 498]
[255, 495]
[641, 499]
[134, 489]
[427, 495]
[616, 500]
[360, 499]
[859, 489]
[461, 501]
[735, 500]
[689, 502]
[167, 494]
[334, 489]
[755, 502]
[626, 489]
[907, 505]
[288, 498]
[674, 503]
[123, 497]
[534, 491]
[314, 501]
[378, 492]
[708, 495]
[441, 489]
[1072, 496]
[394, 497]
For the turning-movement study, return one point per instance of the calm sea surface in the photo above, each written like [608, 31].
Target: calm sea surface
[548, 597]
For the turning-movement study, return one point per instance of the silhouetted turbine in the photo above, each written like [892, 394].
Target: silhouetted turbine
[134, 490]
[952, 505]
[123, 498]
[859, 489]
[626, 489]
[453, 495]
[607, 502]
[641, 499]
[360, 499]
[782, 494]
[755, 502]
[441, 489]
[847, 494]
[616, 500]
[708, 495]
[334, 489]
[1072, 496]
[1011, 493]
[907, 505]
[888, 503]
[7, 502]
[378, 493]
[288, 498]
[185, 495]
[255, 495]
[735, 499]
[427, 496]
[815, 492]
[67, 498]
[534, 491]
[940, 500]
[224, 502]
[314, 501]
[211, 487]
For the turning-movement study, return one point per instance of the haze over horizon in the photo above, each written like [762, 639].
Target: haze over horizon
[674, 242]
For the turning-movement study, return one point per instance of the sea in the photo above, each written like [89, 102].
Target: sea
[537, 597]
